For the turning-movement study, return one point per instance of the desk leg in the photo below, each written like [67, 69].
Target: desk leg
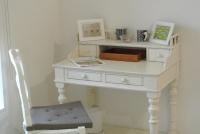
[61, 98]
[173, 94]
[154, 109]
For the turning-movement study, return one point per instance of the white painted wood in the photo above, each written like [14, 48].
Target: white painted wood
[140, 68]
[159, 55]
[22, 86]
[124, 79]
[25, 97]
[150, 76]
[124, 44]
[59, 75]
[83, 75]
[167, 77]
[174, 56]
[87, 51]
[173, 114]
[80, 130]
[61, 98]
[154, 109]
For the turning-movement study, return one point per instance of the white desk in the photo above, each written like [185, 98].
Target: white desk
[145, 76]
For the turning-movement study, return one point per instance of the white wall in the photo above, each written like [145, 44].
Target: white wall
[35, 30]
[36, 27]
[127, 108]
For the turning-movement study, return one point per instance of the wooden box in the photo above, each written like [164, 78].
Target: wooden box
[123, 54]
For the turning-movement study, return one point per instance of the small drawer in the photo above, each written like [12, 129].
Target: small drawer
[160, 55]
[83, 75]
[123, 79]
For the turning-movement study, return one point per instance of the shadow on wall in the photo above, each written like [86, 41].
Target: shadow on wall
[188, 95]
[61, 51]
[4, 129]
[44, 93]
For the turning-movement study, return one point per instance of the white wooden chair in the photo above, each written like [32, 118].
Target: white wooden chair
[69, 118]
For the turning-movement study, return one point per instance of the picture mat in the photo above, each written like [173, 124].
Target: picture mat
[92, 29]
[159, 32]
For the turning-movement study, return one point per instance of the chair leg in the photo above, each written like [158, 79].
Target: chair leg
[27, 132]
[81, 130]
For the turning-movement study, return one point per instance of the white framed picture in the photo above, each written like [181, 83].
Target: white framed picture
[162, 32]
[92, 29]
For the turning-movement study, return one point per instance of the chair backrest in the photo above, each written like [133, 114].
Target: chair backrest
[22, 85]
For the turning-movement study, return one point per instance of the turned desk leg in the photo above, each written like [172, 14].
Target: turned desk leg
[154, 109]
[61, 98]
[173, 95]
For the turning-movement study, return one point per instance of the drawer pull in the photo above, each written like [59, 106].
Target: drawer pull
[124, 80]
[161, 55]
[84, 76]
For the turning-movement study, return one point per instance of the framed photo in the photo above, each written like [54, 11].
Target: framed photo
[91, 29]
[161, 32]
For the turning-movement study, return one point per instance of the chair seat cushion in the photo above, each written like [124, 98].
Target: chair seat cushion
[62, 116]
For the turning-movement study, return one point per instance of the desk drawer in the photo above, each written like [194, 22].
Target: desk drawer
[123, 79]
[83, 75]
[158, 54]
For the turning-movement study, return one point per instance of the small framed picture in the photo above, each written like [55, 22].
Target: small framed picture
[92, 29]
[161, 32]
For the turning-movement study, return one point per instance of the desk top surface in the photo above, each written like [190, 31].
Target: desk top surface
[142, 67]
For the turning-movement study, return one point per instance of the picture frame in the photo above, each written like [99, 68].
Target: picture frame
[92, 29]
[162, 32]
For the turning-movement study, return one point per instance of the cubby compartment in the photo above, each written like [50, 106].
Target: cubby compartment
[122, 53]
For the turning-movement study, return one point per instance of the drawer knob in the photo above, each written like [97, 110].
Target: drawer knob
[85, 76]
[161, 55]
[124, 80]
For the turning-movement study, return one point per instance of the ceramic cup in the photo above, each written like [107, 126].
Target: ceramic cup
[142, 35]
[120, 33]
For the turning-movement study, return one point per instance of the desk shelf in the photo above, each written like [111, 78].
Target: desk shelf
[125, 44]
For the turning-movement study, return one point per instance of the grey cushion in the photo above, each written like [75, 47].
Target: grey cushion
[63, 116]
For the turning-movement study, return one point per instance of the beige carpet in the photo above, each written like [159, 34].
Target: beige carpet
[122, 130]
